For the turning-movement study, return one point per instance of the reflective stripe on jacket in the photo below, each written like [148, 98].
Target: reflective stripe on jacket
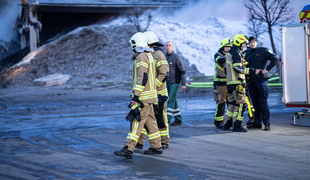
[144, 65]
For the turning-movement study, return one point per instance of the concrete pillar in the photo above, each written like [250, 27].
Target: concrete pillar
[32, 32]
[23, 41]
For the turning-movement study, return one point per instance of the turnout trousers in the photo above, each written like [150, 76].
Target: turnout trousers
[173, 106]
[220, 95]
[164, 132]
[147, 119]
[236, 106]
[259, 94]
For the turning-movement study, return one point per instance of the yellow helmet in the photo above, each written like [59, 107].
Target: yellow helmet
[226, 42]
[239, 39]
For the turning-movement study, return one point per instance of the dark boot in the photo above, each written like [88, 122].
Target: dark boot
[176, 123]
[267, 127]
[152, 151]
[254, 126]
[164, 145]
[227, 125]
[218, 124]
[139, 146]
[124, 152]
[238, 127]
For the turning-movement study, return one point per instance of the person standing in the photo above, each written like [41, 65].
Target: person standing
[219, 82]
[144, 95]
[176, 77]
[258, 57]
[160, 108]
[236, 72]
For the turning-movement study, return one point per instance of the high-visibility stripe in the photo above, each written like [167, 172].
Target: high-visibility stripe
[163, 92]
[220, 67]
[133, 137]
[148, 95]
[237, 65]
[308, 15]
[144, 131]
[235, 114]
[177, 114]
[173, 110]
[246, 70]
[228, 113]
[154, 136]
[220, 79]
[161, 62]
[301, 15]
[219, 118]
[166, 121]
[233, 82]
[240, 117]
[135, 127]
[142, 64]
[139, 87]
[163, 133]
[158, 83]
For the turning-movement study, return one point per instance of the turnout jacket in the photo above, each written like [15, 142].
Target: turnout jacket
[176, 69]
[235, 68]
[162, 70]
[258, 59]
[219, 72]
[144, 85]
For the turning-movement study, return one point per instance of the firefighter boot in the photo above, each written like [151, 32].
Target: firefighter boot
[238, 127]
[267, 127]
[139, 146]
[227, 125]
[152, 151]
[124, 152]
[218, 124]
[164, 145]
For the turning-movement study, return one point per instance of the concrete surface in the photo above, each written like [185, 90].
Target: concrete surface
[50, 133]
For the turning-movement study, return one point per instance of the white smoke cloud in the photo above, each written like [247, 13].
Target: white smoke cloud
[8, 18]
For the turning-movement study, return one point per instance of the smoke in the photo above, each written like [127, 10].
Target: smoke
[8, 17]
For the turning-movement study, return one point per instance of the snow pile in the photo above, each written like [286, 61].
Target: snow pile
[88, 54]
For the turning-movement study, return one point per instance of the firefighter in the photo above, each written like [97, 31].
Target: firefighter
[144, 95]
[258, 57]
[219, 83]
[160, 108]
[235, 83]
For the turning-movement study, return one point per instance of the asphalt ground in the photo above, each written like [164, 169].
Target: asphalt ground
[52, 133]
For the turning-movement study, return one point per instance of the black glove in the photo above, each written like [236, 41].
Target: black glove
[131, 116]
[162, 99]
[136, 99]
[158, 110]
[137, 114]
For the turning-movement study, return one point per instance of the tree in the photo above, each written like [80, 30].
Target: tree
[256, 27]
[270, 12]
[142, 23]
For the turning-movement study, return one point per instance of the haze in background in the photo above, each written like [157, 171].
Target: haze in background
[8, 18]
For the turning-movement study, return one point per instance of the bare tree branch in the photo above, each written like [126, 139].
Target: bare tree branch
[269, 12]
[138, 20]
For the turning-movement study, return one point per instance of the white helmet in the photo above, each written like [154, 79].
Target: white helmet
[151, 37]
[138, 40]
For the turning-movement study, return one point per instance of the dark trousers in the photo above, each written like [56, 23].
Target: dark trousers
[259, 95]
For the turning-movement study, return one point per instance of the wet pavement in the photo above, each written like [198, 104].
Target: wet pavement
[72, 134]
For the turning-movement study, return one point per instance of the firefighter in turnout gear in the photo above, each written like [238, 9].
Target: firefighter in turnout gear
[144, 95]
[160, 108]
[219, 83]
[236, 72]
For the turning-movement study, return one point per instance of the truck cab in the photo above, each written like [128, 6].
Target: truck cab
[304, 15]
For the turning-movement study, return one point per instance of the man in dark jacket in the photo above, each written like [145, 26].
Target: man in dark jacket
[176, 77]
[257, 58]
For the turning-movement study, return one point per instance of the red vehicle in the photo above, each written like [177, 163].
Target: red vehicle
[304, 15]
